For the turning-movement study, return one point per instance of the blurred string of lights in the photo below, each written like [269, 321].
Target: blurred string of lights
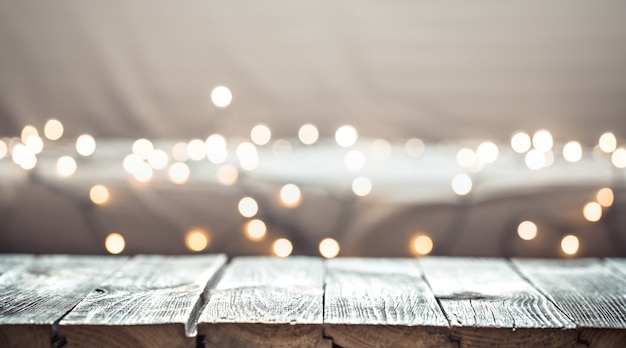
[144, 159]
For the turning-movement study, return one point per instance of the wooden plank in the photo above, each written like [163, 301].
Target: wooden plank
[591, 295]
[616, 264]
[490, 305]
[266, 302]
[151, 301]
[381, 303]
[35, 297]
[9, 261]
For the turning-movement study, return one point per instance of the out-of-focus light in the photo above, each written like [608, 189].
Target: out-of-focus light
[381, 149]
[570, 244]
[197, 240]
[158, 159]
[607, 142]
[142, 148]
[247, 155]
[216, 150]
[114, 243]
[421, 244]
[487, 152]
[535, 159]
[248, 207]
[66, 166]
[308, 134]
[179, 173]
[572, 151]
[592, 211]
[354, 160]
[618, 158]
[605, 197]
[346, 136]
[527, 230]
[542, 140]
[361, 186]
[143, 172]
[85, 145]
[221, 96]
[256, 230]
[27, 131]
[131, 162]
[227, 175]
[461, 184]
[466, 158]
[549, 157]
[414, 147]
[34, 143]
[4, 149]
[329, 248]
[260, 134]
[53, 129]
[520, 142]
[99, 194]
[290, 196]
[282, 148]
[282, 247]
[23, 156]
[196, 150]
[179, 152]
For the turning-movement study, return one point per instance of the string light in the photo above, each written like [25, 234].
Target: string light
[227, 175]
[381, 149]
[248, 207]
[158, 159]
[290, 196]
[53, 130]
[114, 243]
[570, 244]
[618, 158]
[572, 151]
[179, 173]
[346, 136]
[282, 247]
[607, 142]
[354, 160]
[329, 248]
[361, 186]
[66, 166]
[256, 230]
[520, 142]
[221, 96]
[196, 150]
[197, 240]
[605, 197]
[260, 134]
[487, 152]
[216, 150]
[461, 184]
[542, 140]
[527, 230]
[592, 211]
[142, 148]
[414, 147]
[99, 194]
[85, 145]
[421, 244]
[308, 134]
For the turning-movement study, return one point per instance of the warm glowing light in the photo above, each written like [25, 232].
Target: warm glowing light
[248, 207]
[592, 211]
[618, 158]
[256, 230]
[329, 248]
[53, 129]
[466, 158]
[527, 230]
[197, 240]
[605, 197]
[572, 151]
[381, 149]
[535, 159]
[227, 175]
[99, 194]
[143, 148]
[179, 152]
[23, 157]
[114, 243]
[27, 131]
[143, 172]
[308, 134]
[461, 184]
[248, 156]
[421, 245]
[346, 136]
[260, 134]
[179, 173]
[131, 162]
[414, 147]
[66, 166]
[354, 160]
[4, 149]
[34, 143]
[158, 159]
[487, 152]
[221, 96]
[196, 150]
[282, 247]
[542, 140]
[361, 186]
[520, 142]
[282, 148]
[216, 150]
[85, 145]
[570, 244]
[290, 195]
[607, 142]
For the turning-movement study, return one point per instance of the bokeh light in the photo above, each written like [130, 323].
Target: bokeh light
[282, 148]
[66, 166]
[143, 172]
[248, 156]
[99, 194]
[570, 244]
[465, 158]
[487, 152]
[607, 142]
[535, 159]
[592, 211]
[618, 158]
[227, 175]
[605, 197]
[282, 247]
[520, 142]
[196, 150]
[248, 207]
[35, 144]
[221, 96]
[461, 184]
[354, 160]
[197, 240]
[572, 152]
[256, 230]
[53, 129]
[381, 149]
[260, 134]
[179, 152]
[527, 230]
[142, 148]
[414, 147]
[361, 186]
[158, 159]
[290, 196]
[179, 173]
[421, 244]
[216, 150]
[85, 145]
[27, 131]
[329, 248]
[542, 140]
[308, 134]
[114, 243]
[346, 136]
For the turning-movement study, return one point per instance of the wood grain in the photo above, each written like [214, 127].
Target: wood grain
[489, 304]
[266, 302]
[381, 303]
[10, 261]
[151, 301]
[590, 294]
[36, 296]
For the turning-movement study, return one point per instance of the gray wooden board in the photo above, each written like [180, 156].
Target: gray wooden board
[35, 297]
[591, 295]
[480, 295]
[616, 264]
[151, 301]
[381, 303]
[264, 301]
[9, 261]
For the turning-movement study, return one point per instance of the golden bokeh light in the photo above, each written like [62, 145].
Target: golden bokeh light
[66, 166]
[572, 152]
[196, 150]
[27, 131]
[535, 159]
[592, 211]
[346, 136]
[465, 158]
[607, 142]
[260, 134]
[461, 184]
[34, 143]
[248, 156]
[143, 172]
[290, 196]
[197, 240]
[142, 148]
[329, 248]
[282, 247]
[179, 152]
[520, 142]
[248, 207]
[542, 140]
[605, 197]
[158, 159]
[179, 173]
[361, 186]
[85, 145]
[256, 230]
[421, 244]
[308, 134]
[221, 96]
[216, 150]
[114, 243]
[618, 158]
[53, 129]
[99, 194]
[227, 175]
[570, 244]
[527, 230]
[487, 152]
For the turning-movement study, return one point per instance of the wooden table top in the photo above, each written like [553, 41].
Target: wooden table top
[206, 301]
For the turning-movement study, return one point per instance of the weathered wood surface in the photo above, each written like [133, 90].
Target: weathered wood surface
[151, 301]
[10, 261]
[381, 303]
[266, 302]
[36, 296]
[591, 295]
[490, 305]
[617, 264]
